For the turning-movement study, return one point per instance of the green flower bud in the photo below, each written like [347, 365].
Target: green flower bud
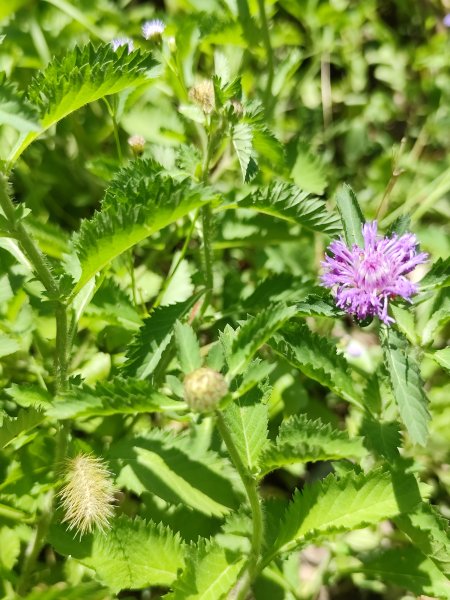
[137, 144]
[204, 388]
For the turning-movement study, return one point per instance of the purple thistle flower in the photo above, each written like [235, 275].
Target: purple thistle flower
[446, 20]
[153, 29]
[365, 279]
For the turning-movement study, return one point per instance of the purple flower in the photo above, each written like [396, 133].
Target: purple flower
[365, 279]
[153, 29]
[446, 20]
[116, 43]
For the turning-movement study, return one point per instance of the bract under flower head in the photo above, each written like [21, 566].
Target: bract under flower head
[365, 279]
[152, 29]
[122, 41]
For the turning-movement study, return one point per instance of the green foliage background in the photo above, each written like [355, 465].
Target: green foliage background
[308, 95]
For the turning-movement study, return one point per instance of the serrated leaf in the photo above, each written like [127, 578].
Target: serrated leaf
[120, 396]
[290, 203]
[247, 419]
[170, 467]
[429, 532]
[147, 348]
[406, 384]
[188, 348]
[332, 505]
[242, 137]
[318, 306]
[27, 395]
[255, 332]
[78, 78]
[8, 345]
[9, 548]
[210, 573]
[90, 590]
[442, 357]
[408, 568]
[317, 358]
[132, 554]
[308, 173]
[437, 277]
[12, 427]
[140, 201]
[351, 216]
[382, 438]
[301, 440]
[14, 110]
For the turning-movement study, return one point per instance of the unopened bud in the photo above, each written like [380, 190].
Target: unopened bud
[87, 494]
[204, 388]
[137, 144]
[203, 95]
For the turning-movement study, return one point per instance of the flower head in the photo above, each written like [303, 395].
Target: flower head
[204, 388]
[153, 29]
[446, 20]
[203, 95]
[137, 144]
[122, 41]
[365, 279]
[87, 494]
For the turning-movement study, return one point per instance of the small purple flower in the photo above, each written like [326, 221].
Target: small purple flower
[122, 41]
[153, 29]
[365, 279]
[446, 20]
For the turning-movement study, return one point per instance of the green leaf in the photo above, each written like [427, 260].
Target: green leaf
[147, 348]
[442, 357]
[172, 468]
[382, 438]
[78, 78]
[301, 440]
[351, 216]
[187, 347]
[437, 277]
[27, 395]
[429, 532]
[317, 306]
[210, 573]
[247, 420]
[406, 384]
[9, 548]
[120, 396]
[140, 201]
[8, 345]
[12, 427]
[308, 172]
[132, 554]
[408, 568]
[14, 110]
[290, 203]
[352, 502]
[255, 332]
[317, 358]
[90, 590]
[242, 137]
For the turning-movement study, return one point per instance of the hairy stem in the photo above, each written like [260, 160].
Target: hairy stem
[251, 488]
[207, 224]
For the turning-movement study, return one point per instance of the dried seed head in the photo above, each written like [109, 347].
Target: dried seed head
[204, 388]
[203, 95]
[137, 144]
[87, 494]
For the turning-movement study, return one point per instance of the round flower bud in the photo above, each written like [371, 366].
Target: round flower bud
[137, 144]
[204, 388]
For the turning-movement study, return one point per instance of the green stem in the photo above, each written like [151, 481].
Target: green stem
[207, 224]
[112, 114]
[269, 54]
[251, 488]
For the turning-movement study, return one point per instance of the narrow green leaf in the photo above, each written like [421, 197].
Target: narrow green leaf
[247, 420]
[210, 573]
[188, 348]
[290, 203]
[317, 358]
[120, 396]
[12, 427]
[147, 348]
[255, 332]
[407, 568]
[406, 383]
[132, 554]
[140, 201]
[351, 216]
[78, 78]
[301, 440]
[332, 505]
[172, 468]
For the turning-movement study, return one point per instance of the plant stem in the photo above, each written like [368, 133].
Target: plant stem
[251, 488]
[206, 215]
[112, 114]
[269, 54]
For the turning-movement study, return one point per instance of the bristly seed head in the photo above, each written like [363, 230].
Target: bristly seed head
[204, 388]
[203, 95]
[87, 495]
[365, 279]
